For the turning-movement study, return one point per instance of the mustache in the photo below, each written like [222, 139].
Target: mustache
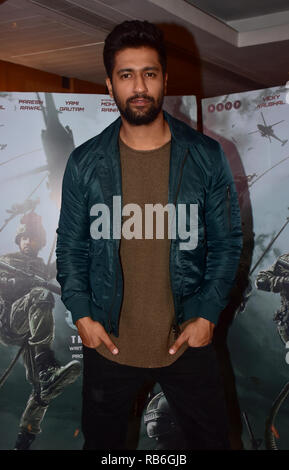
[141, 96]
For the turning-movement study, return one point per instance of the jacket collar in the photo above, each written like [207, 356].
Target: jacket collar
[182, 136]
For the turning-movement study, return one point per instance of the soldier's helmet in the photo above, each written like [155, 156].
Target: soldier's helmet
[158, 417]
[31, 226]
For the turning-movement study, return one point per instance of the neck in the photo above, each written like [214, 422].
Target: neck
[146, 137]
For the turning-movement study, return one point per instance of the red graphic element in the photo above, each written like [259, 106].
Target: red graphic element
[227, 106]
[275, 432]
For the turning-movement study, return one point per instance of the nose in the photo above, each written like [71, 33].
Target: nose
[139, 84]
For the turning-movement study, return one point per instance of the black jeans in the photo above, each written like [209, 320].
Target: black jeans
[192, 386]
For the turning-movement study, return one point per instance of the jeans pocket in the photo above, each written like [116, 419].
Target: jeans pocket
[200, 348]
[87, 348]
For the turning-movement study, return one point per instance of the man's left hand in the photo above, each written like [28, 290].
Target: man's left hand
[197, 333]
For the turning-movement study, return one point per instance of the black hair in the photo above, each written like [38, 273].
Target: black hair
[133, 34]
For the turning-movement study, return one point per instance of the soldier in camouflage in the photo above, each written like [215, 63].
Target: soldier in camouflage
[276, 279]
[26, 320]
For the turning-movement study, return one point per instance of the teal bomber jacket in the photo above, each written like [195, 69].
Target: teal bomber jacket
[89, 268]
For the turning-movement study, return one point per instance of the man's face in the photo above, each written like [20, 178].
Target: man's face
[28, 245]
[138, 85]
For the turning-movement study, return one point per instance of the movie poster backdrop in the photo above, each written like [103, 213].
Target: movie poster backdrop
[253, 128]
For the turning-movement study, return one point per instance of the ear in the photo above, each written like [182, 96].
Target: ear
[165, 83]
[109, 87]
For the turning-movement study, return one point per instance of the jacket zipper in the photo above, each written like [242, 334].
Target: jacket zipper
[113, 299]
[116, 280]
[228, 202]
[114, 293]
[176, 328]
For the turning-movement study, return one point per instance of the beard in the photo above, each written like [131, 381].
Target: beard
[139, 117]
[29, 251]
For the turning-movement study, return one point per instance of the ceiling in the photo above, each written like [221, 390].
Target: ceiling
[249, 38]
[227, 10]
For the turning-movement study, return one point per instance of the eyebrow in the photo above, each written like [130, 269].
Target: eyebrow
[143, 70]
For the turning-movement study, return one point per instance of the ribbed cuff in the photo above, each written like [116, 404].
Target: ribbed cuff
[79, 308]
[196, 307]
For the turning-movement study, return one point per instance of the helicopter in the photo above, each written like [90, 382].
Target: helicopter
[267, 131]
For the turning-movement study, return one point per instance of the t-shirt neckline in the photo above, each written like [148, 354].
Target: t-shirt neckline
[144, 151]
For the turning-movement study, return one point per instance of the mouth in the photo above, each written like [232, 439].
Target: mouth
[140, 101]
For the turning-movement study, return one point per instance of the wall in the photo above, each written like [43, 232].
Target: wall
[14, 77]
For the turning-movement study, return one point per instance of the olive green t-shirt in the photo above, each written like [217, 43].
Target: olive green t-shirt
[147, 311]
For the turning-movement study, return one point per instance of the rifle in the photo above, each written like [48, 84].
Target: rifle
[39, 281]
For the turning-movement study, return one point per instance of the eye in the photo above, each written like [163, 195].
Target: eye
[150, 74]
[125, 75]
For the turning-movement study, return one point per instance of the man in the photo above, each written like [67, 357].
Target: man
[145, 308]
[27, 321]
[276, 279]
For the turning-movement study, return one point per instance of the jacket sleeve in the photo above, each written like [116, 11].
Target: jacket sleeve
[224, 244]
[72, 248]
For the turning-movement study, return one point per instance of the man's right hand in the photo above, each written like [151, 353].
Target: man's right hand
[92, 334]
